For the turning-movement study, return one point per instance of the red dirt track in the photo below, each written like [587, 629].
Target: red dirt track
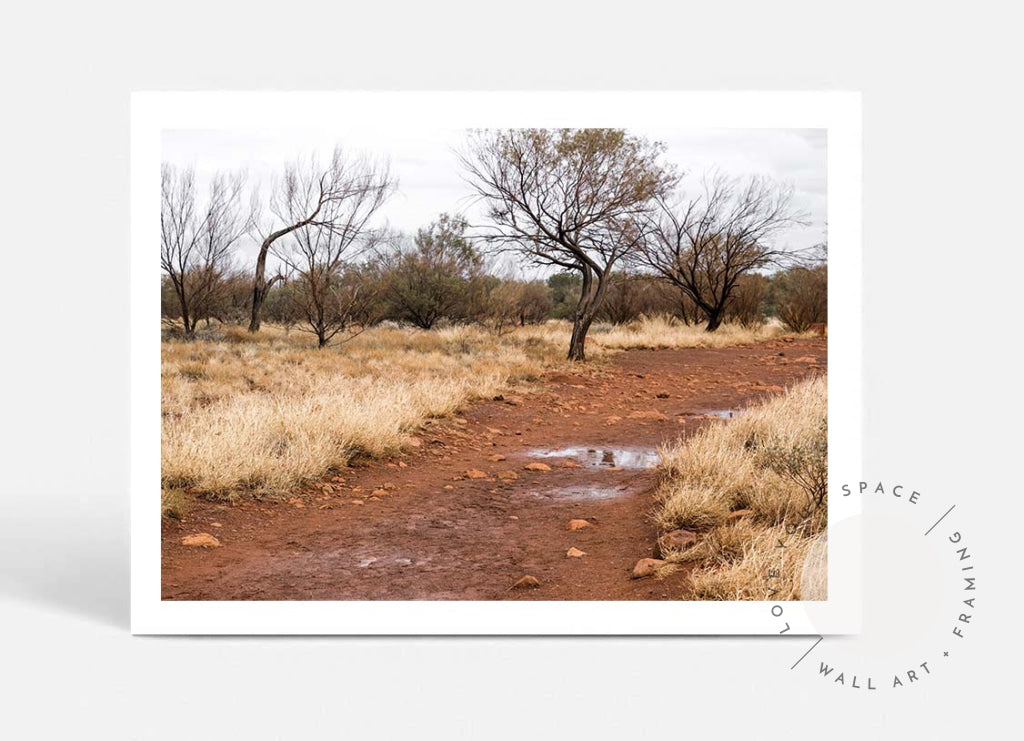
[418, 540]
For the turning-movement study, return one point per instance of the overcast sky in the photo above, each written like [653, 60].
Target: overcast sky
[430, 180]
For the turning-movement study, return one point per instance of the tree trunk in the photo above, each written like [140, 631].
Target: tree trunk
[586, 311]
[188, 325]
[577, 345]
[258, 294]
[260, 287]
[714, 320]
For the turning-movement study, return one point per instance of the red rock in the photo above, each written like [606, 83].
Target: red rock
[497, 458]
[527, 582]
[475, 473]
[200, 540]
[646, 567]
[537, 467]
[578, 525]
[508, 475]
[574, 553]
[677, 540]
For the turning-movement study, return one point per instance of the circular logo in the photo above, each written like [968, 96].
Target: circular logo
[919, 593]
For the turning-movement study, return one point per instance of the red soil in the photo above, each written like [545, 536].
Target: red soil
[434, 532]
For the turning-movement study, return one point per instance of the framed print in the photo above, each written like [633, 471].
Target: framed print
[494, 363]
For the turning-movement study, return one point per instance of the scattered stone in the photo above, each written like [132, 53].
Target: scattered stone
[448, 487]
[356, 501]
[459, 421]
[403, 464]
[513, 517]
[200, 540]
[613, 419]
[677, 540]
[578, 525]
[215, 524]
[296, 502]
[373, 499]
[415, 442]
[571, 464]
[494, 431]
[574, 553]
[497, 458]
[646, 567]
[379, 493]
[513, 401]
[476, 473]
[527, 582]
[508, 475]
[537, 467]
[613, 469]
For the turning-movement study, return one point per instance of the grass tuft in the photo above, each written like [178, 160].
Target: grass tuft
[771, 459]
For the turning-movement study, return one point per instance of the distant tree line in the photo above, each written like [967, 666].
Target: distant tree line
[597, 209]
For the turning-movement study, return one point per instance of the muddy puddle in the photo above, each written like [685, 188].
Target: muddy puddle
[601, 456]
[388, 561]
[581, 492]
[722, 413]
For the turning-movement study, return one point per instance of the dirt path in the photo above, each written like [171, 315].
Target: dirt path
[421, 527]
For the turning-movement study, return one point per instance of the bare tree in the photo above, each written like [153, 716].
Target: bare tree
[196, 242]
[333, 198]
[705, 244]
[328, 291]
[576, 199]
[746, 305]
[802, 297]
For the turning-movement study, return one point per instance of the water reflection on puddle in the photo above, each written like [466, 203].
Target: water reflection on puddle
[722, 413]
[601, 456]
[587, 492]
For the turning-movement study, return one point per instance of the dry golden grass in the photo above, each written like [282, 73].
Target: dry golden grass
[660, 333]
[746, 463]
[265, 413]
[262, 413]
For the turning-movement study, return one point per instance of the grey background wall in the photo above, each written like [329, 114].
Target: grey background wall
[942, 155]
